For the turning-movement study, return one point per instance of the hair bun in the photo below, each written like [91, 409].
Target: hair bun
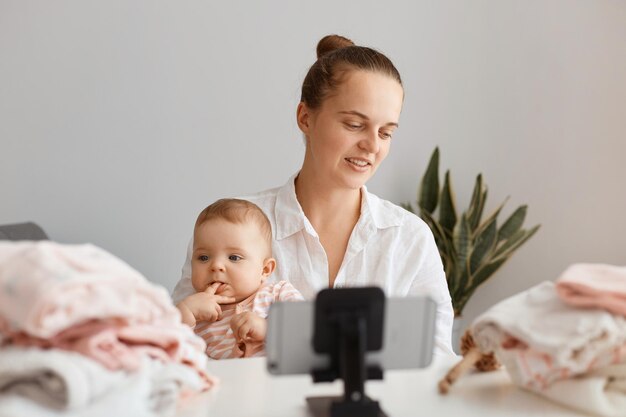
[330, 43]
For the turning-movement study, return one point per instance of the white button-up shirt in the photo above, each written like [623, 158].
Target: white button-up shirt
[389, 248]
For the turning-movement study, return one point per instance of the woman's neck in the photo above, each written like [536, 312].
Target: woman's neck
[325, 205]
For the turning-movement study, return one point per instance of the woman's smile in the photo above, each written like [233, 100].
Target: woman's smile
[358, 164]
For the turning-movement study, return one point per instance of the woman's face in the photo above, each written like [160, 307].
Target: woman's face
[350, 134]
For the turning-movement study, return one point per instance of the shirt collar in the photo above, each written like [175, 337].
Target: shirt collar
[290, 218]
[383, 213]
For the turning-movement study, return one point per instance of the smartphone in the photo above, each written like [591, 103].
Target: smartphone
[408, 336]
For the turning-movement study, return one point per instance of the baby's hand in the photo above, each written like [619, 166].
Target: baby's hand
[203, 306]
[248, 327]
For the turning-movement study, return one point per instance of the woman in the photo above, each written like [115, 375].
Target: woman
[329, 231]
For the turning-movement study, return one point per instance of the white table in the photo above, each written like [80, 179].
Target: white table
[246, 389]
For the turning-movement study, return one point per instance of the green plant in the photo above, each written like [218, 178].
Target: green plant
[471, 250]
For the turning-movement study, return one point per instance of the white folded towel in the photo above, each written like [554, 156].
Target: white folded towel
[602, 392]
[54, 378]
[44, 383]
[572, 338]
[576, 357]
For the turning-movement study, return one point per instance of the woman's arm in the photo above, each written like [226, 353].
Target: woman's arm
[430, 279]
[445, 316]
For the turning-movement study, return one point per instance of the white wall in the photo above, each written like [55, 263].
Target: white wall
[120, 120]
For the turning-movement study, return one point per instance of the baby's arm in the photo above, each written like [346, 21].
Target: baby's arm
[249, 327]
[203, 306]
[187, 315]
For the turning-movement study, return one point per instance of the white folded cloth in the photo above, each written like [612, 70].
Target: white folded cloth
[54, 378]
[602, 392]
[36, 382]
[566, 338]
[576, 357]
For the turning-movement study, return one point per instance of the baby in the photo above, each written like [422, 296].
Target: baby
[231, 263]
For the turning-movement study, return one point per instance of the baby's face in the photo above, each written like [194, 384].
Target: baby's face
[235, 255]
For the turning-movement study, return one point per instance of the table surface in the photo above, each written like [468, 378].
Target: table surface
[247, 389]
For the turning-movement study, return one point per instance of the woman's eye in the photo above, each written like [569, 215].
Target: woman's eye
[385, 135]
[235, 258]
[203, 258]
[353, 126]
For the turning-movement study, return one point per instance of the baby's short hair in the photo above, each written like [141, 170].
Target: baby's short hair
[237, 211]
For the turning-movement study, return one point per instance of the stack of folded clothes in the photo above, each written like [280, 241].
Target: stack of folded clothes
[565, 340]
[83, 333]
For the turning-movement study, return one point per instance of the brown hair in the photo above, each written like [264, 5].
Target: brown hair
[237, 211]
[337, 55]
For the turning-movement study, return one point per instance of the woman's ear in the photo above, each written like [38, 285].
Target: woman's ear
[303, 117]
[268, 267]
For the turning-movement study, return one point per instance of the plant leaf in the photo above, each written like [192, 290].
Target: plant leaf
[483, 245]
[460, 284]
[447, 209]
[477, 203]
[429, 187]
[492, 217]
[509, 246]
[513, 223]
[461, 240]
[478, 278]
[442, 239]
[484, 273]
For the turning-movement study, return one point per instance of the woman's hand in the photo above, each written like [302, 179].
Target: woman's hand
[248, 327]
[203, 306]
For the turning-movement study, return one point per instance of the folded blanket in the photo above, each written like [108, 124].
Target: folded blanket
[46, 287]
[594, 286]
[540, 339]
[117, 344]
[573, 356]
[83, 299]
[56, 379]
[55, 382]
[602, 392]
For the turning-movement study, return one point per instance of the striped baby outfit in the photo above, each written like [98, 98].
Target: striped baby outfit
[219, 337]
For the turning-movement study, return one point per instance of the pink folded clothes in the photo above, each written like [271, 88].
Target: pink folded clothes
[83, 299]
[594, 286]
[46, 287]
[119, 346]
